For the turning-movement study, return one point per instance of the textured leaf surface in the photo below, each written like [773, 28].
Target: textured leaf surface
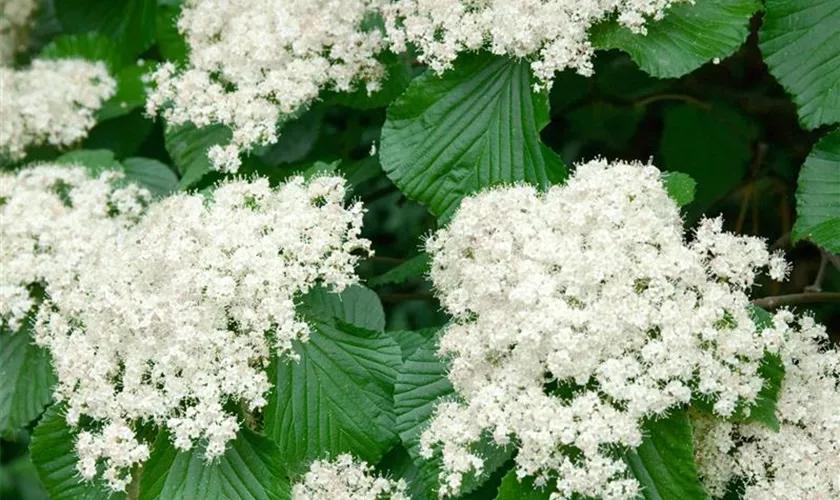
[339, 396]
[800, 41]
[27, 379]
[170, 42]
[818, 195]
[90, 46]
[414, 267]
[188, 145]
[689, 35]
[664, 462]
[680, 187]
[356, 305]
[250, 469]
[411, 340]
[475, 126]
[131, 92]
[55, 460]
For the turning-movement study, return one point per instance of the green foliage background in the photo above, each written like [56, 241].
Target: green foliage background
[742, 96]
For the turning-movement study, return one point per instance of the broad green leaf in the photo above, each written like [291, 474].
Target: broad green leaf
[151, 174]
[772, 371]
[422, 481]
[356, 305]
[689, 35]
[89, 46]
[95, 160]
[170, 42]
[664, 462]
[514, 489]
[421, 385]
[27, 379]
[680, 187]
[250, 469]
[605, 124]
[712, 145]
[801, 46]
[55, 460]
[131, 92]
[296, 139]
[414, 267]
[477, 125]
[818, 195]
[338, 397]
[188, 145]
[130, 24]
[19, 480]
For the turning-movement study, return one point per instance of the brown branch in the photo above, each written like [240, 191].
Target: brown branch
[672, 97]
[796, 299]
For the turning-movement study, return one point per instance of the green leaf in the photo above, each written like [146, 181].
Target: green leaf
[664, 462]
[151, 174]
[27, 379]
[421, 385]
[356, 305]
[818, 195]
[414, 267]
[188, 145]
[680, 187]
[477, 125]
[170, 42]
[250, 469]
[772, 371]
[422, 481]
[130, 24]
[96, 160]
[131, 92]
[689, 35]
[514, 489]
[411, 340]
[338, 397]
[89, 46]
[124, 135]
[800, 43]
[712, 145]
[54, 458]
[604, 123]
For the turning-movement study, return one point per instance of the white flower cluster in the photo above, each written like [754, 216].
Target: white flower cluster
[15, 22]
[175, 317]
[553, 33]
[251, 60]
[346, 479]
[51, 102]
[581, 311]
[802, 460]
[52, 218]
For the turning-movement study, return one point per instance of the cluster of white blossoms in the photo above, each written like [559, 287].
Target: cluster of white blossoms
[347, 479]
[802, 459]
[52, 218]
[15, 23]
[552, 33]
[177, 316]
[250, 61]
[578, 313]
[51, 102]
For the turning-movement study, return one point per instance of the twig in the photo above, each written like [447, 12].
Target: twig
[672, 97]
[816, 286]
[796, 298]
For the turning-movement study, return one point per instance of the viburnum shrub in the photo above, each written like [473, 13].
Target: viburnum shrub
[418, 249]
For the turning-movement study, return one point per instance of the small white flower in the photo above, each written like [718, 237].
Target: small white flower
[346, 478]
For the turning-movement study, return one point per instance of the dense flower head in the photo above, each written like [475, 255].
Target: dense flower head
[250, 61]
[52, 218]
[579, 312]
[15, 22]
[52, 102]
[346, 478]
[802, 459]
[552, 33]
[178, 315]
